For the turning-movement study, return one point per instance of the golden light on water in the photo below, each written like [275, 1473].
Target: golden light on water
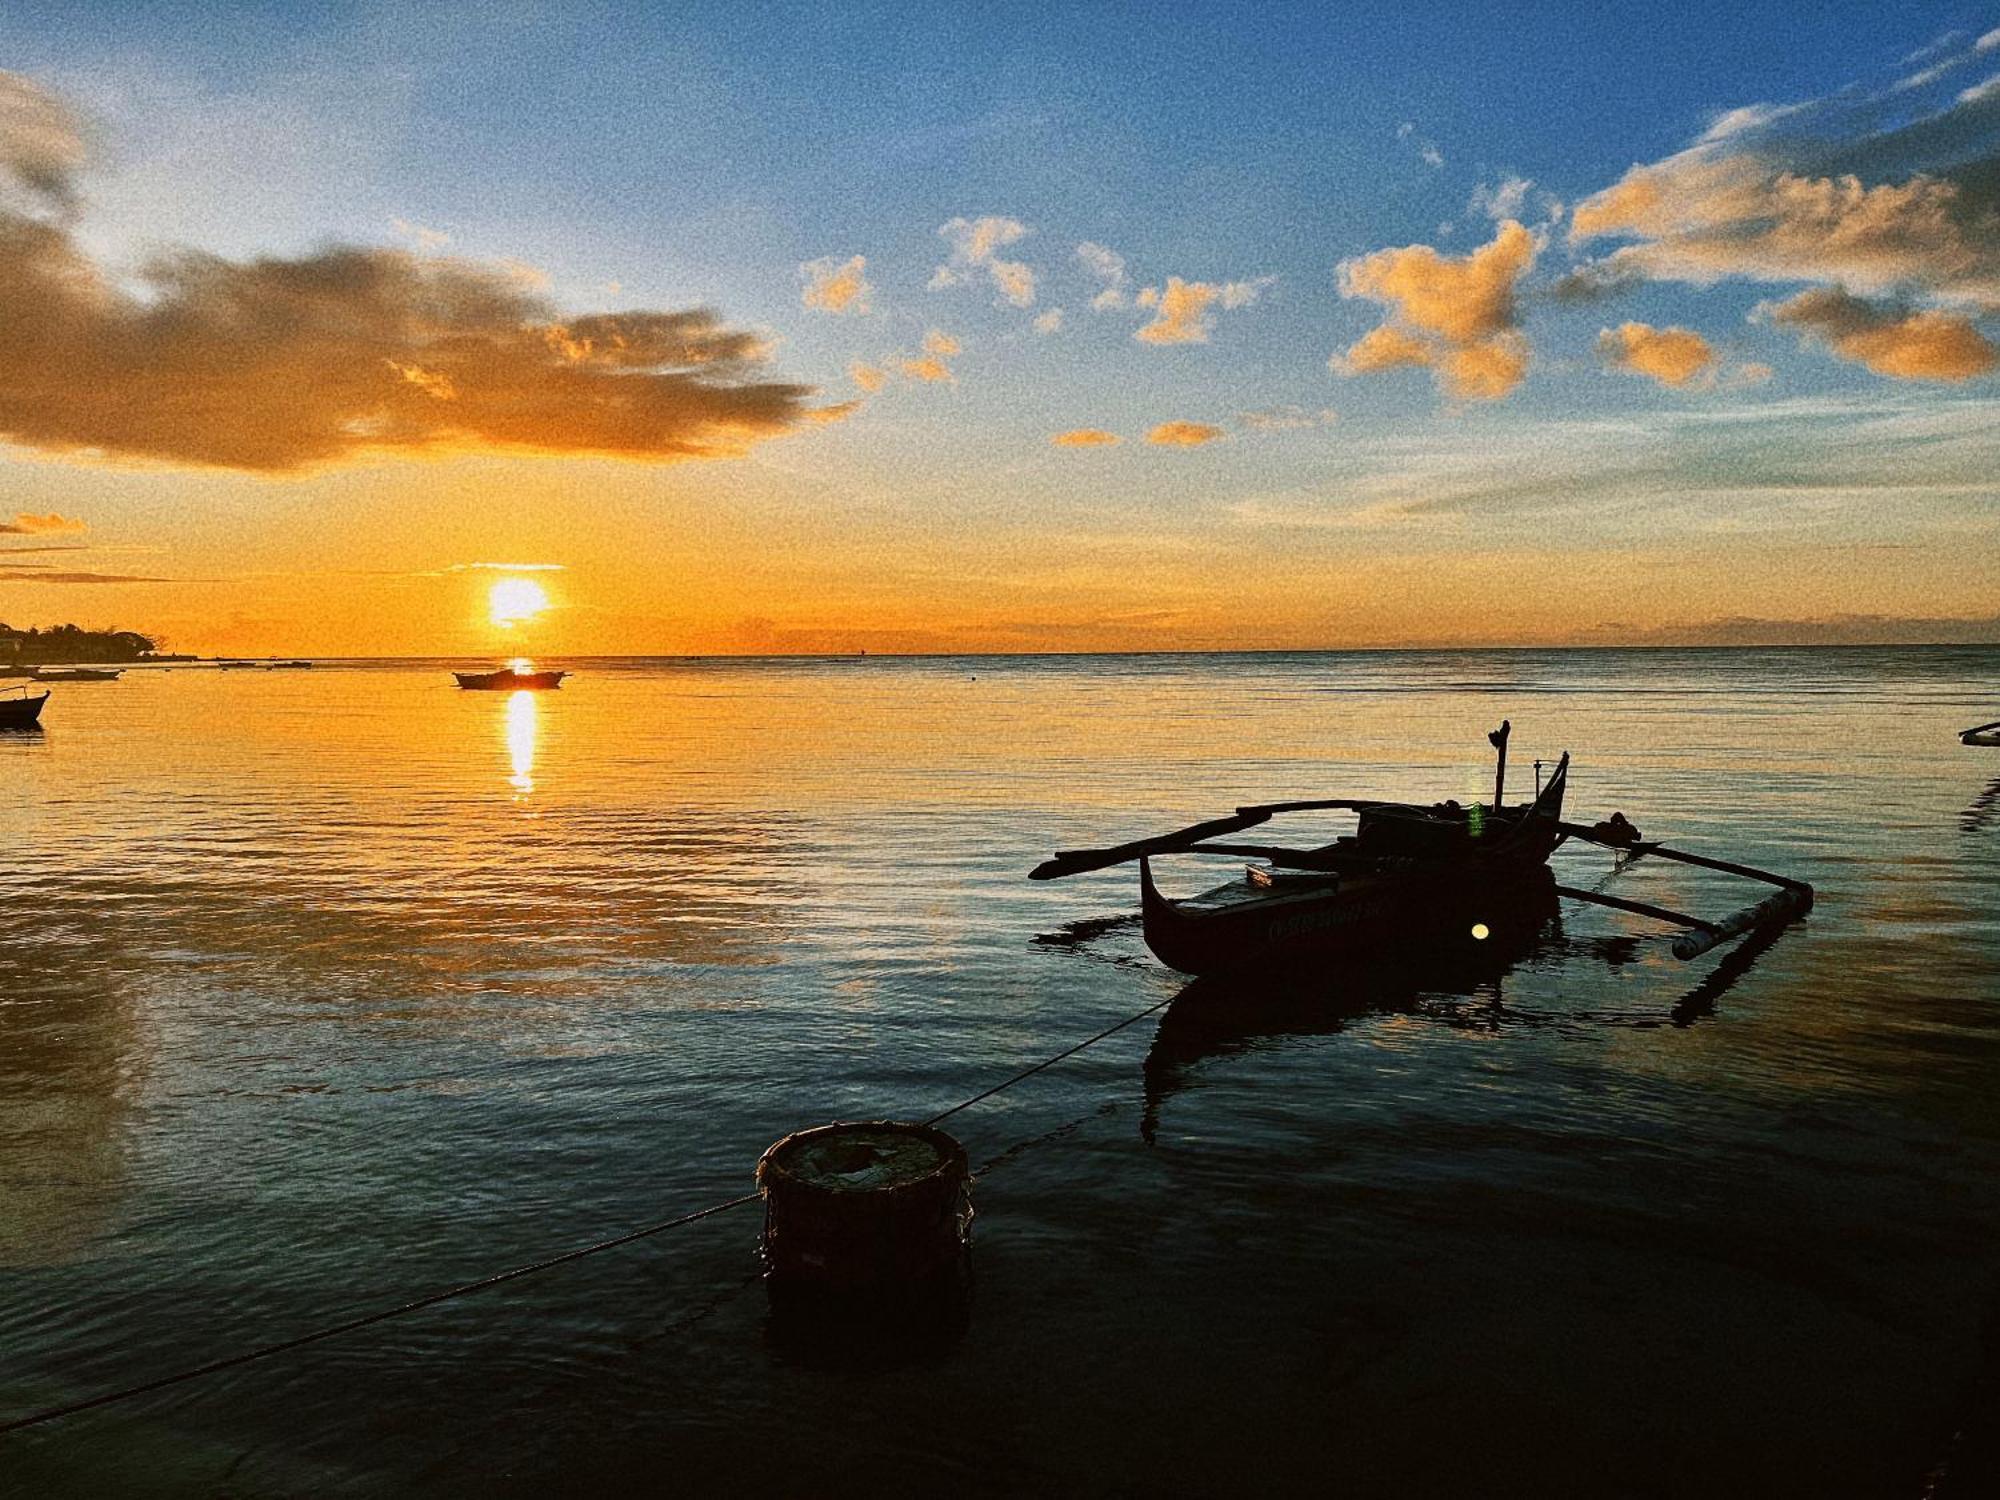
[512, 601]
[520, 729]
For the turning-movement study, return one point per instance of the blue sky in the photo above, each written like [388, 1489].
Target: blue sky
[636, 158]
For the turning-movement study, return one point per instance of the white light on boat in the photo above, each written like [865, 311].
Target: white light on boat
[1481, 931]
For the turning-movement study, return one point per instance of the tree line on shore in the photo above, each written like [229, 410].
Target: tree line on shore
[34, 645]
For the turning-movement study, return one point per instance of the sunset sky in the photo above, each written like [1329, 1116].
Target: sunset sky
[773, 328]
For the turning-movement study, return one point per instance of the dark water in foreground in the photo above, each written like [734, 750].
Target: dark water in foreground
[321, 990]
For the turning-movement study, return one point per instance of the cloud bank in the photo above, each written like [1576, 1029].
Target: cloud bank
[282, 364]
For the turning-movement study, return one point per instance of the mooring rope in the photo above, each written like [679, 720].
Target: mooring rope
[264, 1351]
[1049, 1062]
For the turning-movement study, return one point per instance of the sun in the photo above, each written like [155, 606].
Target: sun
[514, 600]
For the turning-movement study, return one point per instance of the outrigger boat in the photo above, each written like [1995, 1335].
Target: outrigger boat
[20, 712]
[1981, 734]
[1409, 873]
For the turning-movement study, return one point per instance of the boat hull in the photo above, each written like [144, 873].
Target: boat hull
[1460, 907]
[510, 682]
[1413, 875]
[21, 713]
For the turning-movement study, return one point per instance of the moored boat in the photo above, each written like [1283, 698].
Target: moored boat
[1408, 873]
[1411, 874]
[74, 674]
[510, 679]
[1981, 734]
[20, 712]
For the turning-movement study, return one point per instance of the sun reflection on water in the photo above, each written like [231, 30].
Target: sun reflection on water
[520, 728]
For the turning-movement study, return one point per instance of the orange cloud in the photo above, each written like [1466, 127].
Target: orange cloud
[1672, 356]
[826, 416]
[940, 343]
[1382, 348]
[1085, 437]
[835, 286]
[929, 368]
[1181, 313]
[281, 365]
[1904, 346]
[1485, 371]
[869, 377]
[25, 524]
[1185, 434]
[1460, 300]
[1455, 315]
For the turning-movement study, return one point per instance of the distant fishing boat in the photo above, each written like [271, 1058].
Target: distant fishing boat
[73, 674]
[1982, 734]
[516, 678]
[20, 712]
[1411, 874]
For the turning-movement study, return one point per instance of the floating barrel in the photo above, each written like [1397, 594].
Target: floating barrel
[873, 1212]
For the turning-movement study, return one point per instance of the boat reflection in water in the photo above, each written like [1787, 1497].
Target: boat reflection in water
[520, 730]
[1458, 978]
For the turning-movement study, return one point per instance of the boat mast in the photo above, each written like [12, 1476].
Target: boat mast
[1498, 740]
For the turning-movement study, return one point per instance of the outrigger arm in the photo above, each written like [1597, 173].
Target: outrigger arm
[1792, 899]
[1078, 861]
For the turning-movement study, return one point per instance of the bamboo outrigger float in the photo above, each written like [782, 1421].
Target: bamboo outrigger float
[1409, 873]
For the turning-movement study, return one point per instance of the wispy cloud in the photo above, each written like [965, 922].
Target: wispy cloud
[1287, 418]
[975, 249]
[1109, 267]
[1085, 437]
[27, 524]
[1182, 309]
[41, 141]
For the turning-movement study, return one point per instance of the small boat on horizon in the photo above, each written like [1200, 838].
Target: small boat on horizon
[511, 679]
[21, 712]
[74, 674]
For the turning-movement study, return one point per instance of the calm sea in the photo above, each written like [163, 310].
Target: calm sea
[322, 990]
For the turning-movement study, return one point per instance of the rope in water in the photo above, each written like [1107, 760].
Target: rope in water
[382, 1315]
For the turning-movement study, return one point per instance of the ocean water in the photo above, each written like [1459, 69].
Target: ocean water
[324, 990]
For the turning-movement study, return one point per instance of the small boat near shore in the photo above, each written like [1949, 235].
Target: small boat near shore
[21, 711]
[512, 679]
[1411, 874]
[74, 674]
[1981, 734]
